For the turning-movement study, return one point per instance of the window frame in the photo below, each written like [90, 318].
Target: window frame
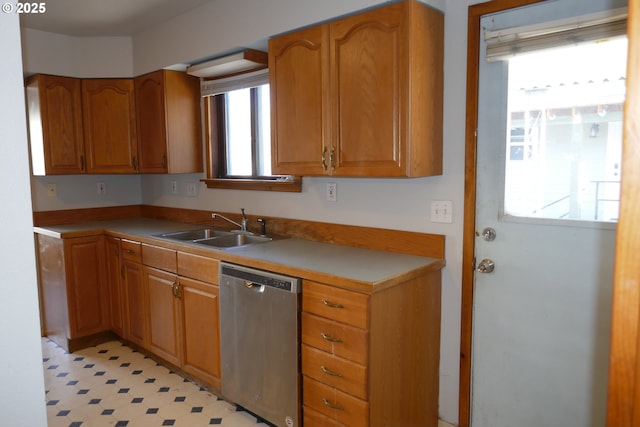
[216, 155]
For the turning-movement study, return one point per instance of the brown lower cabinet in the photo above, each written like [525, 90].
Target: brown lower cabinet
[134, 295]
[368, 358]
[72, 276]
[183, 313]
[114, 272]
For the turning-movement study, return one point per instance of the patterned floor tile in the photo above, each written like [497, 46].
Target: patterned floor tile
[113, 385]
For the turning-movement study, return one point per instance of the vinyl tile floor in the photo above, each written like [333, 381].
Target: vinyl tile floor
[113, 385]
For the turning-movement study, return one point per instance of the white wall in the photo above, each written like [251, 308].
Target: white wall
[22, 394]
[59, 54]
[219, 27]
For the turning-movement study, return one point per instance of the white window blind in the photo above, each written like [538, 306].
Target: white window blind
[506, 43]
[243, 81]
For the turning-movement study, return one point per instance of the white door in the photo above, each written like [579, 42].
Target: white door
[542, 316]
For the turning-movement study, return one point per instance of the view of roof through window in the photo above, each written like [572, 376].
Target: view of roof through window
[565, 132]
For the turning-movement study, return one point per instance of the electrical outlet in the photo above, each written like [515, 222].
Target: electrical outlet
[102, 189]
[332, 192]
[52, 190]
[442, 211]
[191, 189]
[174, 187]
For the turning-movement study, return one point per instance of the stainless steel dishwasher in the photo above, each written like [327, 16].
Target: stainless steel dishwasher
[260, 349]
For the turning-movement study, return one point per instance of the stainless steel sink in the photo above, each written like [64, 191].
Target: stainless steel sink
[215, 238]
[192, 235]
[233, 240]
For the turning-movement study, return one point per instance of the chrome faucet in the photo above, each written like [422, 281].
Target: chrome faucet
[243, 225]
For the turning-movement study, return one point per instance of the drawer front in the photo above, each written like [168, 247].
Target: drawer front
[334, 404]
[336, 372]
[336, 338]
[316, 419]
[337, 304]
[131, 250]
[162, 258]
[198, 267]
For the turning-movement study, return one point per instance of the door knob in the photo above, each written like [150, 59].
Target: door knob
[486, 266]
[489, 234]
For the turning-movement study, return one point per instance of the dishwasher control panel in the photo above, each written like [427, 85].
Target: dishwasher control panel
[266, 278]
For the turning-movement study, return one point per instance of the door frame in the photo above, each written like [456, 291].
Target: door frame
[624, 357]
[468, 245]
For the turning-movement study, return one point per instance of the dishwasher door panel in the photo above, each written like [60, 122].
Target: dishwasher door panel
[260, 356]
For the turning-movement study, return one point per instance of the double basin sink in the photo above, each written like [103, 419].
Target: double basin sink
[215, 238]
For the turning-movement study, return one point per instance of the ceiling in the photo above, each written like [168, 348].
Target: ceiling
[85, 18]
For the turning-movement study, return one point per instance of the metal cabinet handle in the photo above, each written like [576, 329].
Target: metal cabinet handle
[324, 158]
[82, 163]
[330, 372]
[129, 251]
[330, 338]
[176, 289]
[332, 304]
[332, 405]
[331, 157]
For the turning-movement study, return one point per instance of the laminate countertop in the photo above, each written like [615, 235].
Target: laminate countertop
[351, 267]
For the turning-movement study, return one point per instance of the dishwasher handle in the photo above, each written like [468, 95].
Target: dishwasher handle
[253, 286]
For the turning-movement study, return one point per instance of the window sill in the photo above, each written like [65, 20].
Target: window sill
[294, 186]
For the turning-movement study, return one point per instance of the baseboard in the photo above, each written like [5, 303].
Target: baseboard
[442, 423]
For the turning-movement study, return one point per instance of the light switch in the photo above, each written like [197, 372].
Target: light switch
[442, 211]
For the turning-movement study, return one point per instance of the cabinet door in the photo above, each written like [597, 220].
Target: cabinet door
[87, 289]
[169, 123]
[114, 279]
[298, 77]
[136, 305]
[201, 330]
[55, 125]
[109, 125]
[163, 314]
[368, 78]
[152, 129]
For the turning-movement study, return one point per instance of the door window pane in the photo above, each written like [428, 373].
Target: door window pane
[564, 140]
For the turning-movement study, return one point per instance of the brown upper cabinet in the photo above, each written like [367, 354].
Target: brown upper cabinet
[360, 96]
[150, 124]
[55, 125]
[169, 127]
[109, 117]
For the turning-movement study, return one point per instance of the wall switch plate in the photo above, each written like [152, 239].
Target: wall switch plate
[174, 187]
[442, 211]
[332, 192]
[102, 189]
[52, 190]
[191, 189]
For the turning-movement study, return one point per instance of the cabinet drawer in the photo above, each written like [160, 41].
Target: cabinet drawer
[337, 304]
[335, 404]
[336, 338]
[198, 267]
[131, 250]
[162, 258]
[336, 372]
[316, 419]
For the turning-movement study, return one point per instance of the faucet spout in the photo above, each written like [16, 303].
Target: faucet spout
[243, 225]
